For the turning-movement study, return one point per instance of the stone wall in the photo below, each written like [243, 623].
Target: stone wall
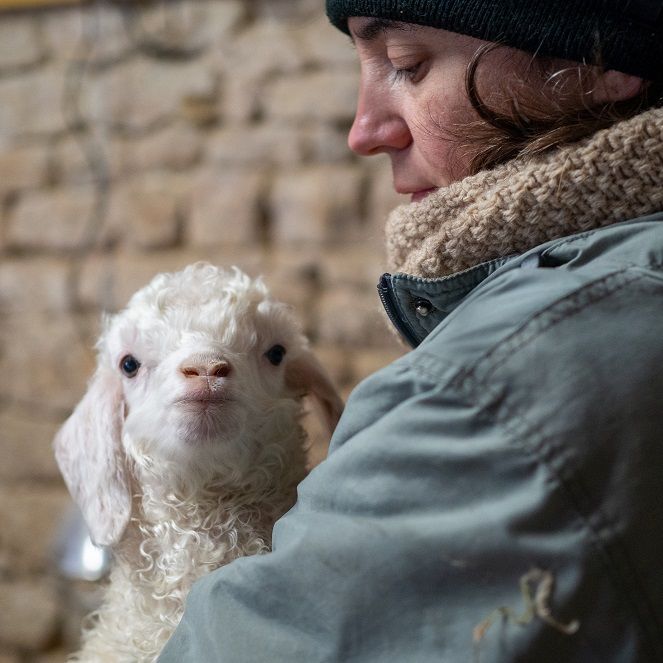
[139, 139]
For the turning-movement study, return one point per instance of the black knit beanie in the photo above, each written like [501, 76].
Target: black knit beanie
[626, 35]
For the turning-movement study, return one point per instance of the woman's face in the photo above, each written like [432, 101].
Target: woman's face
[413, 101]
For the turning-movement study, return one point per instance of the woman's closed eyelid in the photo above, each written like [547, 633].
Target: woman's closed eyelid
[404, 50]
[412, 70]
[403, 58]
[406, 63]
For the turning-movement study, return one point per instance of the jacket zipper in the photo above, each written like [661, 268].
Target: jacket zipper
[385, 291]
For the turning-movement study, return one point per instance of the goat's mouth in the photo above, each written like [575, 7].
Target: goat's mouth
[204, 417]
[202, 401]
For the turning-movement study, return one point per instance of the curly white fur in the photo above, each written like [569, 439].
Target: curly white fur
[186, 464]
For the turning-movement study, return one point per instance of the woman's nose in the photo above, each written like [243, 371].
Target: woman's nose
[377, 128]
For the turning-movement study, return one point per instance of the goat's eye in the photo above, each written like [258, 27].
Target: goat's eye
[275, 354]
[129, 366]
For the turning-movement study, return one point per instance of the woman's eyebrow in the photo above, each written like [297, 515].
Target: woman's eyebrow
[372, 29]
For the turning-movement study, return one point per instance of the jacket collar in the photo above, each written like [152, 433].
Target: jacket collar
[416, 305]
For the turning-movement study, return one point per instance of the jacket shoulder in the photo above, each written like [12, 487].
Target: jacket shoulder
[567, 357]
[576, 303]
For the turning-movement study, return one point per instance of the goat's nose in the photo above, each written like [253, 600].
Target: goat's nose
[208, 369]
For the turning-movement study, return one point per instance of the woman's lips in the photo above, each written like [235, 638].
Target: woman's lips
[418, 196]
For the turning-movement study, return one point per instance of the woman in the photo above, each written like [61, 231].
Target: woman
[493, 495]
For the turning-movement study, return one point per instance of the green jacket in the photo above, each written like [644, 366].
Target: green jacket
[510, 464]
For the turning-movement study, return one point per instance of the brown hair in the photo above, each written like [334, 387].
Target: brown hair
[538, 118]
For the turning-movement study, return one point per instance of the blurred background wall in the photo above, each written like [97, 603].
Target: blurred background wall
[137, 138]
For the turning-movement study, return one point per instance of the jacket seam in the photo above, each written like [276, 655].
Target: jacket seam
[470, 271]
[473, 382]
[552, 315]
[527, 436]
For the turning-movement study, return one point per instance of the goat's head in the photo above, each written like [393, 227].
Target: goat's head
[198, 368]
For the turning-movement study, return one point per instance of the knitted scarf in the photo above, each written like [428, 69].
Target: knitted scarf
[614, 175]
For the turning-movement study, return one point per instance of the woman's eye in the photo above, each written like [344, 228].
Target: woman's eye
[407, 73]
[129, 365]
[275, 355]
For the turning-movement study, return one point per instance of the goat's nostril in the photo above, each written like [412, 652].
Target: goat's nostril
[220, 370]
[213, 369]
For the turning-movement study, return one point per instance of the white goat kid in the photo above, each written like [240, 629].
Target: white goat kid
[187, 446]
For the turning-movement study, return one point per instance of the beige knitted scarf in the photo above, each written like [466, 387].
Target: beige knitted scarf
[615, 175]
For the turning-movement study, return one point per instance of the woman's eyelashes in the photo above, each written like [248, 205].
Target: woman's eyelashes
[412, 72]
[408, 74]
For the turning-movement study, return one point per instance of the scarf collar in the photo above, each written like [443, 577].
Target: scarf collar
[614, 175]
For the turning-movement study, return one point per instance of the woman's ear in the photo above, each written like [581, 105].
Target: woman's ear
[88, 450]
[612, 86]
[305, 375]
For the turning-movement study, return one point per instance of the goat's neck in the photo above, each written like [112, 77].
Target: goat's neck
[194, 528]
[178, 533]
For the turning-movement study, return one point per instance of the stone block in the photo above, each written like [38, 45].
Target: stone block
[241, 97]
[224, 208]
[31, 104]
[261, 145]
[223, 18]
[96, 286]
[323, 45]
[264, 48]
[82, 159]
[29, 613]
[20, 43]
[22, 168]
[319, 205]
[183, 26]
[246, 63]
[294, 277]
[351, 265]
[49, 358]
[190, 27]
[31, 517]
[96, 34]
[326, 143]
[63, 31]
[26, 448]
[323, 95]
[146, 213]
[53, 220]
[351, 318]
[34, 284]
[287, 11]
[175, 147]
[140, 93]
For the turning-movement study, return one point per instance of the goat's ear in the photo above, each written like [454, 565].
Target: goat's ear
[305, 375]
[88, 449]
